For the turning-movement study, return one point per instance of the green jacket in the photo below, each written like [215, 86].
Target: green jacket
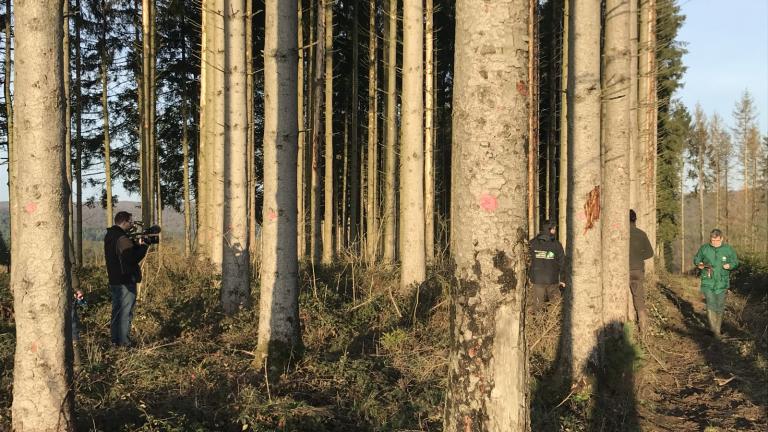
[717, 279]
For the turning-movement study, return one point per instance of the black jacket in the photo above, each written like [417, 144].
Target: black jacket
[547, 260]
[123, 257]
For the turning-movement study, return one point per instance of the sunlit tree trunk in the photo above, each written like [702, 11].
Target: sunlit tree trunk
[328, 180]
[413, 268]
[583, 312]
[429, 129]
[254, 246]
[683, 262]
[235, 287]
[389, 207]
[105, 114]
[319, 53]
[78, 138]
[218, 124]
[533, 139]
[487, 384]
[67, 131]
[646, 204]
[202, 199]
[147, 194]
[563, 180]
[301, 159]
[42, 379]
[185, 151]
[279, 310]
[615, 235]
[372, 214]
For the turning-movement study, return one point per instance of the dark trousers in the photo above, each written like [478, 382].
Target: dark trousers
[637, 286]
[123, 301]
[543, 293]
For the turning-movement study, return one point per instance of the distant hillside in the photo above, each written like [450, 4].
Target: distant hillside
[94, 221]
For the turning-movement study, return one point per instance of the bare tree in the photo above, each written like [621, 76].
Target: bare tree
[615, 236]
[279, 309]
[584, 238]
[328, 181]
[487, 387]
[429, 132]
[389, 206]
[371, 206]
[42, 396]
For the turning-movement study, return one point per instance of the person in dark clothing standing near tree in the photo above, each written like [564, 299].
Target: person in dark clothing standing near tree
[640, 249]
[123, 256]
[547, 266]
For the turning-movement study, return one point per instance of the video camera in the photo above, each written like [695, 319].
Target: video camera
[150, 235]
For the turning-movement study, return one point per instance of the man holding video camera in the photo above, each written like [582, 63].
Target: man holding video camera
[123, 255]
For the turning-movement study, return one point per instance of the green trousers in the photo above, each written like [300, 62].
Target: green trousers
[715, 308]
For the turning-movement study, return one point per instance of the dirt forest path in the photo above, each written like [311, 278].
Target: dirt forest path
[691, 381]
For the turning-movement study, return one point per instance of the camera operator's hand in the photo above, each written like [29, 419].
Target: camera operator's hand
[140, 241]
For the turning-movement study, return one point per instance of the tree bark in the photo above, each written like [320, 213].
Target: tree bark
[42, 381]
[79, 138]
[389, 218]
[185, 151]
[647, 124]
[301, 158]
[564, 173]
[429, 128]
[235, 287]
[635, 156]
[372, 213]
[487, 386]
[279, 310]
[615, 235]
[105, 114]
[219, 116]
[319, 52]
[328, 181]
[202, 199]
[413, 268]
[533, 139]
[254, 246]
[147, 194]
[583, 310]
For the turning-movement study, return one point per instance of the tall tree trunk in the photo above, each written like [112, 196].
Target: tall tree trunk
[615, 235]
[146, 150]
[185, 151]
[354, 143]
[700, 171]
[342, 199]
[683, 262]
[105, 115]
[78, 137]
[235, 287]
[647, 116]
[487, 386]
[533, 141]
[42, 379]
[583, 310]
[301, 158]
[157, 196]
[279, 308]
[372, 214]
[67, 132]
[319, 53]
[564, 91]
[635, 156]
[328, 195]
[429, 128]
[254, 246]
[413, 269]
[218, 124]
[203, 178]
[390, 151]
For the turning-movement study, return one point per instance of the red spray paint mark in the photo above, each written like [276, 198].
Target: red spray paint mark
[272, 215]
[488, 202]
[31, 207]
[33, 348]
[522, 88]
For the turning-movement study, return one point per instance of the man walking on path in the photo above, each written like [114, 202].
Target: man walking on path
[715, 261]
[123, 256]
[547, 266]
[640, 249]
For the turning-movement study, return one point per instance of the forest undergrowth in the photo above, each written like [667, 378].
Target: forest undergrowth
[375, 360]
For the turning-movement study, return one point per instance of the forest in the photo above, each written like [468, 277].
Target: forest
[350, 194]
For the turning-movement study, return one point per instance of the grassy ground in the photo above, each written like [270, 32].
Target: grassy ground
[376, 361]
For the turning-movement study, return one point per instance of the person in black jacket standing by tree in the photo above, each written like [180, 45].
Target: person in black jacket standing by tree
[123, 256]
[547, 266]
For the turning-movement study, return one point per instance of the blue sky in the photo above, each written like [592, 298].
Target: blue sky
[727, 53]
[727, 42]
